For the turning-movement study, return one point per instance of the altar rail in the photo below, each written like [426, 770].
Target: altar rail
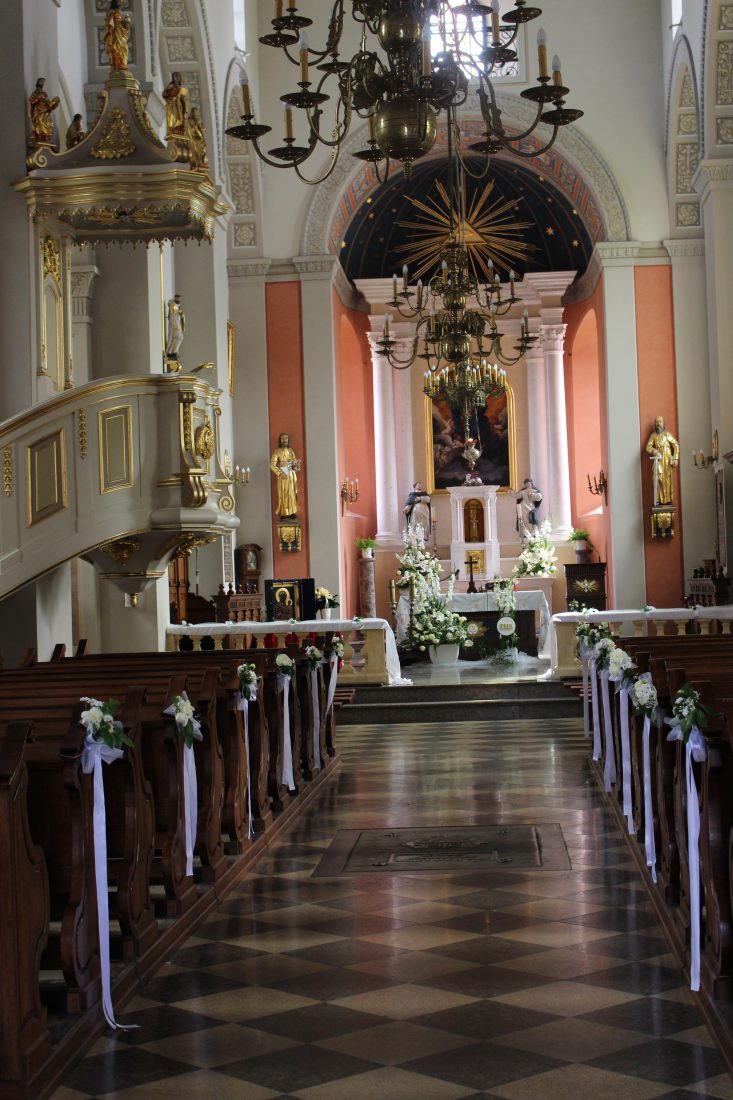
[656, 621]
[370, 649]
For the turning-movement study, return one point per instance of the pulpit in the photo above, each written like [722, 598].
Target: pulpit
[474, 532]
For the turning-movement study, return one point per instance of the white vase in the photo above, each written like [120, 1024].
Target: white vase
[445, 654]
[326, 612]
[368, 552]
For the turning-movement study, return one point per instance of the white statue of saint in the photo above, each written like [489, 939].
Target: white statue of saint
[418, 511]
[176, 327]
[529, 499]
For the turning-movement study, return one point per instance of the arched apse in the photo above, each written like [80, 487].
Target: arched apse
[573, 163]
[242, 177]
[718, 79]
[683, 143]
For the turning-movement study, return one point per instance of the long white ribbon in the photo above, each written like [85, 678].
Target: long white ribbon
[190, 788]
[609, 764]
[649, 842]
[594, 699]
[333, 677]
[586, 702]
[316, 716]
[694, 750]
[626, 757]
[93, 755]
[286, 775]
[243, 705]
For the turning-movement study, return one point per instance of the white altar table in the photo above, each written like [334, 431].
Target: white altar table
[462, 602]
[370, 649]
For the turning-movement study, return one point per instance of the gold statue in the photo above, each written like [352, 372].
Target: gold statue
[665, 452]
[285, 466]
[176, 107]
[117, 35]
[75, 132]
[197, 141]
[40, 107]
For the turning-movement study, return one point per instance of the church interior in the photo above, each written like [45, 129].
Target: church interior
[366, 416]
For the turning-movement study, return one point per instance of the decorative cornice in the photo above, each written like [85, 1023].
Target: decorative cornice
[685, 247]
[712, 172]
[553, 337]
[255, 270]
[315, 266]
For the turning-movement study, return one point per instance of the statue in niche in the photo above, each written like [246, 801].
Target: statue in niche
[529, 499]
[117, 36]
[40, 106]
[196, 141]
[175, 328]
[75, 132]
[285, 466]
[418, 510]
[665, 453]
[176, 108]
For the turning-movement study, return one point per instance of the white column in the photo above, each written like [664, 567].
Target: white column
[319, 384]
[385, 451]
[402, 395]
[697, 487]
[627, 518]
[553, 341]
[539, 467]
[82, 281]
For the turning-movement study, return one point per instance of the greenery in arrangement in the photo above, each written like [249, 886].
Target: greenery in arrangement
[366, 543]
[688, 713]
[324, 599]
[579, 534]
[100, 723]
[538, 558]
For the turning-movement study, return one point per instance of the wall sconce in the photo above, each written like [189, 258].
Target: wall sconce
[349, 492]
[241, 475]
[701, 460]
[599, 487]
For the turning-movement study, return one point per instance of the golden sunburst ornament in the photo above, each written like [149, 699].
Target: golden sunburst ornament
[489, 231]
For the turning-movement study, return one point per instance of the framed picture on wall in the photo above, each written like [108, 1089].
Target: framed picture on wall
[492, 427]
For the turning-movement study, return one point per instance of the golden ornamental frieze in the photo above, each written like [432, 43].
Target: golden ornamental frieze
[51, 258]
[7, 471]
[121, 550]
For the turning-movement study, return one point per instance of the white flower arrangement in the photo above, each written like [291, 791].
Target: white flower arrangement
[621, 667]
[419, 565]
[247, 680]
[285, 664]
[688, 714]
[434, 624]
[314, 656]
[183, 714]
[505, 596]
[538, 558]
[100, 723]
[337, 647]
[601, 652]
[643, 696]
[324, 599]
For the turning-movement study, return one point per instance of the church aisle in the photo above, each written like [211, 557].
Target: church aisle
[528, 985]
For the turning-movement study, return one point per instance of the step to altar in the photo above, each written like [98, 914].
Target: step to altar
[501, 699]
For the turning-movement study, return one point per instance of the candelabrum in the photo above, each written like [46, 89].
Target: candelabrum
[701, 460]
[349, 492]
[425, 54]
[466, 386]
[599, 486]
[241, 475]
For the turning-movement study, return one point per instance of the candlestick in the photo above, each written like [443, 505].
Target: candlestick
[246, 101]
[496, 36]
[372, 127]
[288, 122]
[278, 9]
[556, 73]
[542, 52]
[303, 57]
[427, 61]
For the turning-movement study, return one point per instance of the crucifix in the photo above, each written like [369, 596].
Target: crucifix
[471, 582]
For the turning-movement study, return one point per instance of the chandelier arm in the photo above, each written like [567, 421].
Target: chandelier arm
[535, 152]
[279, 163]
[326, 174]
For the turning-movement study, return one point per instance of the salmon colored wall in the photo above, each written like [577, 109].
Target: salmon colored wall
[585, 393]
[355, 433]
[657, 397]
[285, 395]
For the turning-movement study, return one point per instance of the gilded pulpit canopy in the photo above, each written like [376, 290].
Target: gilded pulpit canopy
[285, 466]
[665, 452]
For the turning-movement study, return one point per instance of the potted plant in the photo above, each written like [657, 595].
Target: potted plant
[366, 546]
[325, 600]
[581, 540]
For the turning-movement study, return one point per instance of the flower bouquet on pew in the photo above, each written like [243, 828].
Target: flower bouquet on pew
[621, 669]
[689, 718]
[247, 677]
[643, 696]
[285, 665]
[314, 656]
[100, 723]
[187, 724]
[602, 652]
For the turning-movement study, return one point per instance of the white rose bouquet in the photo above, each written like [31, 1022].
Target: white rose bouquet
[602, 651]
[100, 723]
[434, 624]
[538, 558]
[314, 656]
[621, 668]
[688, 714]
[247, 680]
[182, 712]
[643, 696]
[285, 664]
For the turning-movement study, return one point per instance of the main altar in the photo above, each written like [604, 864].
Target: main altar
[474, 535]
[532, 616]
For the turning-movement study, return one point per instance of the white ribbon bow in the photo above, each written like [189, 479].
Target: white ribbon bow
[594, 699]
[94, 754]
[286, 777]
[190, 787]
[696, 750]
[243, 705]
[609, 765]
[316, 716]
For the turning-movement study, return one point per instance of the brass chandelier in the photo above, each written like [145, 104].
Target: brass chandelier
[402, 86]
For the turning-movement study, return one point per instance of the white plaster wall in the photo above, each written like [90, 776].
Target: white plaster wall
[73, 58]
[54, 611]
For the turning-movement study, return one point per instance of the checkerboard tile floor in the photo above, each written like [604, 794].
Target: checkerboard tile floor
[533, 985]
